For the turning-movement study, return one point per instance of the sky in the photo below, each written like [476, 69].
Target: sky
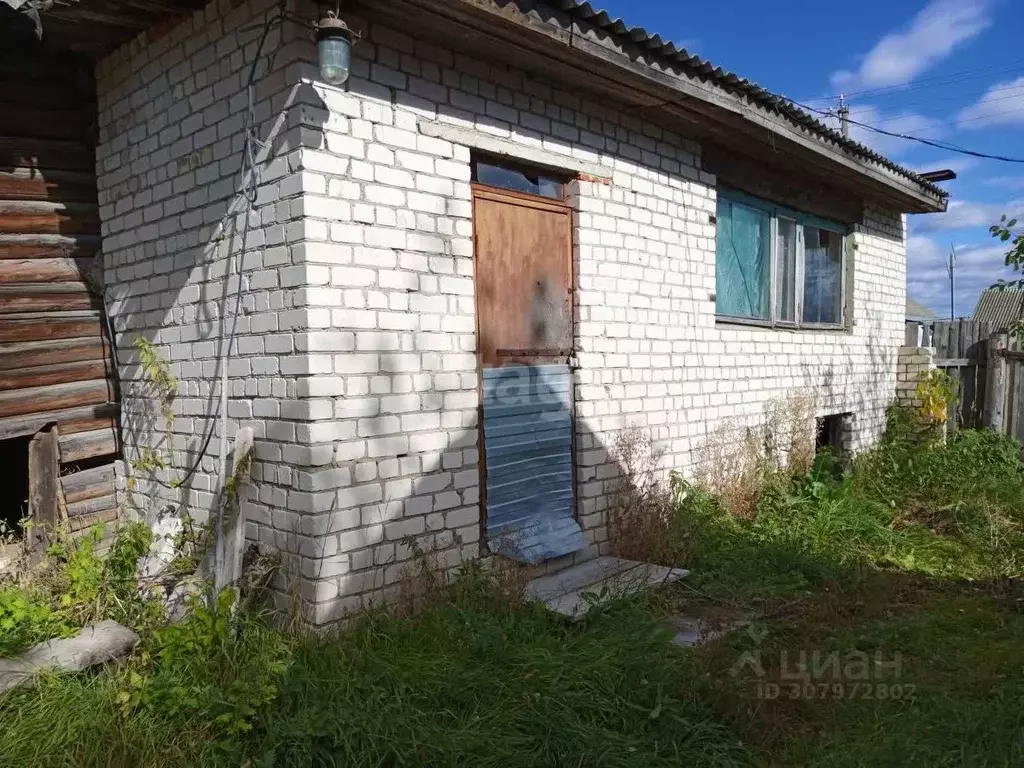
[951, 70]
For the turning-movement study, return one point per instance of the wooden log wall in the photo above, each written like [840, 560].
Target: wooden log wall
[56, 365]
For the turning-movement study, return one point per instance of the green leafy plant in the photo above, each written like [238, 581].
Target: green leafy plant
[201, 668]
[157, 371]
[1006, 231]
[148, 461]
[161, 382]
[935, 392]
[83, 569]
[26, 618]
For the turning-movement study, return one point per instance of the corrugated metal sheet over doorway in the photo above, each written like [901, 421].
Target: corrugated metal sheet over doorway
[524, 310]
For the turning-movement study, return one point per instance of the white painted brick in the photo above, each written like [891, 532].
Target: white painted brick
[356, 345]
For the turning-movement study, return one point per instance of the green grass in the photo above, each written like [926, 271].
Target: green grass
[914, 554]
[462, 685]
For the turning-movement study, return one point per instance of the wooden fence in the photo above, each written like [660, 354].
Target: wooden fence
[987, 366]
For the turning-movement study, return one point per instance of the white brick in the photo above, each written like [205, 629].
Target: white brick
[356, 343]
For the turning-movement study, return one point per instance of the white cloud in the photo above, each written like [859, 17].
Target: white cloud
[966, 215]
[977, 268]
[899, 57]
[1002, 104]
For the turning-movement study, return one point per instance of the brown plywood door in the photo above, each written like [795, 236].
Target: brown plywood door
[523, 277]
[524, 323]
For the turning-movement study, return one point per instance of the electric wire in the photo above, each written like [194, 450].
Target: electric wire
[921, 140]
[249, 191]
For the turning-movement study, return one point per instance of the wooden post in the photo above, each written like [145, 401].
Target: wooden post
[912, 337]
[43, 489]
[231, 545]
[995, 394]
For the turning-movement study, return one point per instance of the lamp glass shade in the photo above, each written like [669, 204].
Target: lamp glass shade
[335, 53]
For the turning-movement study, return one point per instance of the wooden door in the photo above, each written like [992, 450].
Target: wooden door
[524, 341]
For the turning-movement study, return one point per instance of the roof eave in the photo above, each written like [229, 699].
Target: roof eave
[650, 77]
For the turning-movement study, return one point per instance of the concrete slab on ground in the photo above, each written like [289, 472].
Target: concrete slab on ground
[573, 591]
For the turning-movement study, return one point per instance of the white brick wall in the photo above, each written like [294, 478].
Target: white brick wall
[357, 363]
[911, 364]
[171, 114]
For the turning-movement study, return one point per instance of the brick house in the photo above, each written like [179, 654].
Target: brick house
[516, 229]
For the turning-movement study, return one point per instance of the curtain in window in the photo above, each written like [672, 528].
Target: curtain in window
[742, 261]
[823, 274]
[785, 270]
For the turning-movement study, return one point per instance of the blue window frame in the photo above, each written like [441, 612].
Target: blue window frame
[775, 266]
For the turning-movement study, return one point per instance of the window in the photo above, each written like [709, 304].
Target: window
[518, 179]
[778, 267]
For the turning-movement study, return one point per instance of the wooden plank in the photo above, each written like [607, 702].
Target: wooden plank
[941, 340]
[44, 270]
[47, 121]
[29, 87]
[20, 402]
[88, 445]
[38, 329]
[979, 333]
[231, 541]
[33, 218]
[12, 304]
[57, 373]
[998, 380]
[968, 396]
[22, 152]
[54, 73]
[955, 362]
[32, 184]
[70, 420]
[953, 417]
[49, 246]
[1016, 404]
[107, 422]
[966, 337]
[912, 334]
[92, 506]
[84, 522]
[88, 484]
[43, 469]
[34, 353]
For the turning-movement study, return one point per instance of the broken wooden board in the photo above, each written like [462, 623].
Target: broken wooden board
[573, 591]
[231, 542]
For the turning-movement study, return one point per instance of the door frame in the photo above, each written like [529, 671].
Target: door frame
[498, 194]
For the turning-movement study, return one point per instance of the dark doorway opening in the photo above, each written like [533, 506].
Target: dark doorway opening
[832, 435]
[14, 495]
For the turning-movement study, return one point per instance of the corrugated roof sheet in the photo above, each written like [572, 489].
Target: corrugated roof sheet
[918, 311]
[999, 307]
[732, 83]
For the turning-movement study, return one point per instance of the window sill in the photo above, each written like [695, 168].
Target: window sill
[739, 322]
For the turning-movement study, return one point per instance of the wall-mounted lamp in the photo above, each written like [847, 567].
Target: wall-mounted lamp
[334, 47]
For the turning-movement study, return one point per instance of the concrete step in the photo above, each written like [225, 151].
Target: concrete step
[573, 591]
